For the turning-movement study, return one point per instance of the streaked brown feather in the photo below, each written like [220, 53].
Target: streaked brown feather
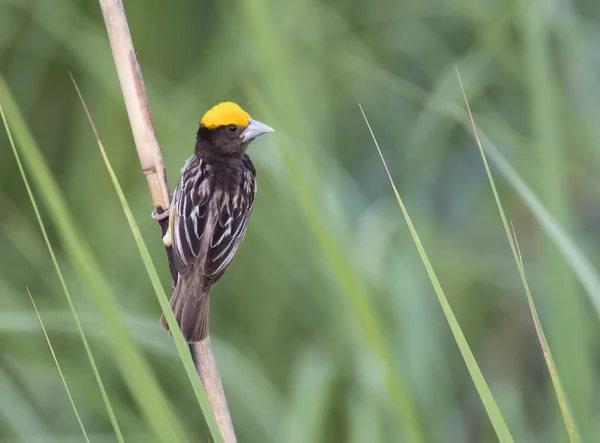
[210, 211]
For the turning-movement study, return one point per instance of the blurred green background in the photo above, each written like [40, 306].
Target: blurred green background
[327, 294]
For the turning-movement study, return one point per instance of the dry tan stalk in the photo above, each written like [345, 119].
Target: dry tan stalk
[138, 110]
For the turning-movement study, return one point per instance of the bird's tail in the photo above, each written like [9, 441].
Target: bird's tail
[190, 306]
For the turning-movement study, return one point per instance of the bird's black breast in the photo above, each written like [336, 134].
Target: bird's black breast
[232, 175]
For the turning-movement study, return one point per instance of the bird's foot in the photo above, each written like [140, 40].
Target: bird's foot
[167, 239]
[162, 216]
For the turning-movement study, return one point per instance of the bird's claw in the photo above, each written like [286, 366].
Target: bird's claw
[162, 216]
[167, 239]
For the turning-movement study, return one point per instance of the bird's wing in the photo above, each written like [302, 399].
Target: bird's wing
[190, 209]
[233, 212]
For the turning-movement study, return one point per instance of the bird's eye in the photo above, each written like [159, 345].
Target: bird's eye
[232, 128]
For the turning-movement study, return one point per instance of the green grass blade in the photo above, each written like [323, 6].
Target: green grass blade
[573, 254]
[487, 398]
[132, 364]
[105, 399]
[182, 346]
[352, 287]
[575, 257]
[60, 372]
[561, 395]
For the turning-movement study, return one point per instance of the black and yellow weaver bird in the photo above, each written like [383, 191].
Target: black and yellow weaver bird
[209, 212]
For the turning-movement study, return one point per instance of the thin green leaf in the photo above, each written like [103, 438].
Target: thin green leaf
[561, 395]
[573, 254]
[105, 399]
[487, 398]
[182, 346]
[60, 372]
[133, 365]
[578, 261]
[352, 287]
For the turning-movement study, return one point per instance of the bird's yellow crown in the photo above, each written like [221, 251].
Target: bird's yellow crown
[223, 114]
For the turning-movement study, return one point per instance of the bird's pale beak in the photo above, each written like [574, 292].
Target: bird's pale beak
[254, 129]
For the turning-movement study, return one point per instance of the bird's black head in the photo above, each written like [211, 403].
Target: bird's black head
[227, 129]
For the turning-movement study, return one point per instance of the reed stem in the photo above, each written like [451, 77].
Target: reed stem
[140, 119]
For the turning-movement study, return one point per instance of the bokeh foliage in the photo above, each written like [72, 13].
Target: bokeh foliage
[328, 279]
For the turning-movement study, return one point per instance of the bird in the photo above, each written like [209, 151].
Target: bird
[209, 212]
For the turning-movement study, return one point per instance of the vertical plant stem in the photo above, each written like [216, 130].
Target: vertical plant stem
[204, 360]
[140, 119]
